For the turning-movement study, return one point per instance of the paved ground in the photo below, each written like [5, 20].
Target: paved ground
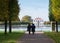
[38, 37]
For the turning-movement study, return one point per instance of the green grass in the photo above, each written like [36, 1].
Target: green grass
[10, 38]
[55, 36]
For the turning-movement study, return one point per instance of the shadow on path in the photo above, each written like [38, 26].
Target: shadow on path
[36, 38]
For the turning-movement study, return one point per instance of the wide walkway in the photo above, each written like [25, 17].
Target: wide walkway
[38, 37]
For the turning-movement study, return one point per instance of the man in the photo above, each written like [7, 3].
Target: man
[29, 27]
[33, 28]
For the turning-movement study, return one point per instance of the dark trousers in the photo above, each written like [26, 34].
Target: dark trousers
[29, 32]
[32, 32]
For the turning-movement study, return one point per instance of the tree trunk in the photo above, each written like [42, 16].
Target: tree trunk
[53, 26]
[9, 26]
[5, 26]
[9, 5]
[56, 26]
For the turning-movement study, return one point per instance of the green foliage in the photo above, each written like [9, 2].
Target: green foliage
[10, 38]
[3, 10]
[47, 22]
[54, 10]
[51, 16]
[19, 23]
[14, 10]
[9, 9]
[55, 36]
[26, 19]
[24, 23]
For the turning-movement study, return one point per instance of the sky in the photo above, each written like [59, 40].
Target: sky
[34, 8]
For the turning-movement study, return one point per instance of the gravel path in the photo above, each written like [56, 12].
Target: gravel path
[36, 38]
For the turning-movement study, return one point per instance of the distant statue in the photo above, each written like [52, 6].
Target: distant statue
[33, 28]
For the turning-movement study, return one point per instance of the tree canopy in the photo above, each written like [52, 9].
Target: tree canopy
[6, 8]
[3, 10]
[26, 18]
[9, 10]
[54, 10]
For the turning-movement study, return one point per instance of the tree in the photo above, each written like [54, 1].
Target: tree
[57, 13]
[4, 12]
[13, 12]
[51, 16]
[9, 10]
[55, 9]
[26, 18]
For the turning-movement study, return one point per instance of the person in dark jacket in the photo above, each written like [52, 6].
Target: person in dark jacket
[33, 28]
[29, 27]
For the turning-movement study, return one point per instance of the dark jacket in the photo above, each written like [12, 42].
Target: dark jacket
[33, 28]
[28, 27]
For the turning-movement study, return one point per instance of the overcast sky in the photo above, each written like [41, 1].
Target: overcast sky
[34, 8]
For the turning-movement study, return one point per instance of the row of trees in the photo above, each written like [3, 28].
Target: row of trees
[9, 10]
[54, 12]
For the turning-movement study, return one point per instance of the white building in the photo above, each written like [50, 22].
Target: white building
[38, 21]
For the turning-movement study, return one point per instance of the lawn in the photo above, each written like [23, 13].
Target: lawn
[10, 38]
[55, 36]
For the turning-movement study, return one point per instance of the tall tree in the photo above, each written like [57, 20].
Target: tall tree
[51, 16]
[9, 10]
[55, 9]
[13, 12]
[4, 12]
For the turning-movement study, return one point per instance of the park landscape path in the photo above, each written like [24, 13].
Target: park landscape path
[38, 37]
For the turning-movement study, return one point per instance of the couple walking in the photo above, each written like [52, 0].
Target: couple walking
[31, 27]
